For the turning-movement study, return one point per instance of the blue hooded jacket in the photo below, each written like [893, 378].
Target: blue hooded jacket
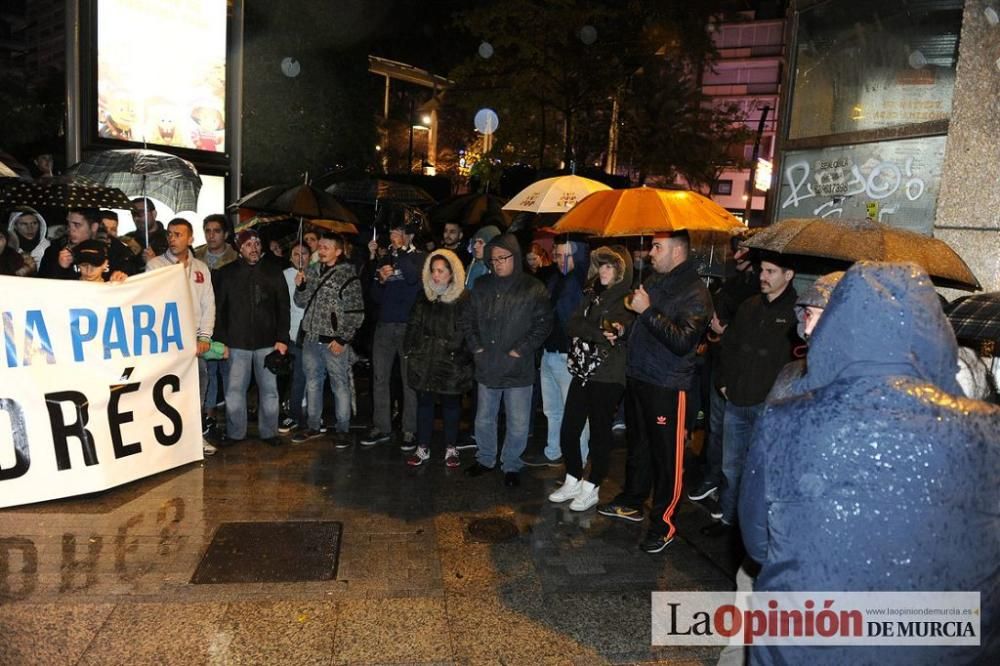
[877, 475]
[565, 293]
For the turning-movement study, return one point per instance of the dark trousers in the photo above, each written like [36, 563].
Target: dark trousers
[451, 411]
[598, 402]
[654, 417]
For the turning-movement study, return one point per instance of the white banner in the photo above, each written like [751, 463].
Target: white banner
[98, 384]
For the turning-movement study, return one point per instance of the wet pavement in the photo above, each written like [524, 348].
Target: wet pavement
[107, 578]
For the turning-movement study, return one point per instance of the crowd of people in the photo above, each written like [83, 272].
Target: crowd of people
[808, 427]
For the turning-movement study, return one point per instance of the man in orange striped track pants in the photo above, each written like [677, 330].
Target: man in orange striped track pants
[674, 308]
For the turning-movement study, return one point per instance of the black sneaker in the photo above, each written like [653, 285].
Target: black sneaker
[654, 543]
[616, 510]
[539, 460]
[476, 469]
[375, 436]
[717, 529]
[286, 425]
[703, 490]
[305, 436]
[343, 440]
[207, 424]
[224, 441]
[512, 479]
[409, 442]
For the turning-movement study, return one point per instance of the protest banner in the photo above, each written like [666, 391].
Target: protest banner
[98, 384]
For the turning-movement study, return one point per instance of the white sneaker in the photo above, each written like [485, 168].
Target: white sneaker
[568, 490]
[586, 498]
[207, 448]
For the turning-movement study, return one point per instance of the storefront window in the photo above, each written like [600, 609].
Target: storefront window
[874, 64]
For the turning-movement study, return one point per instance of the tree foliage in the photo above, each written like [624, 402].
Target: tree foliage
[558, 66]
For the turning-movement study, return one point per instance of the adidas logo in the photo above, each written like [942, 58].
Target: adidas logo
[661, 420]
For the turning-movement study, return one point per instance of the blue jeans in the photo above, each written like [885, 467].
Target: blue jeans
[555, 380]
[716, 430]
[215, 370]
[737, 430]
[298, 389]
[241, 363]
[451, 411]
[517, 409]
[202, 380]
[317, 362]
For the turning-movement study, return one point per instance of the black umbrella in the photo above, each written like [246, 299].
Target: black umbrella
[373, 191]
[976, 317]
[62, 195]
[472, 210]
[298, 201]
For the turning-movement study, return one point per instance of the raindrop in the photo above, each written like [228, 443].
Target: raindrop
[588, 34]
[485, 50]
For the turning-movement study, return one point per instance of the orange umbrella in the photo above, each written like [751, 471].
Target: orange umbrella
[644, 211]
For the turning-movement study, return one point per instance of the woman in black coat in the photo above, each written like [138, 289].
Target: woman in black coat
[597, 363]
[439, 366]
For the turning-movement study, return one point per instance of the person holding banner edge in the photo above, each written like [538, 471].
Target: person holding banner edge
[252, 314]
[179, 236]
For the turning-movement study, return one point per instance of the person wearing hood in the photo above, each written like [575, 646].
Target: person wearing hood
[479, 266]
[877, 475]
[565, 294]
[30, 229]
[509, 318]
[439, 366]
[597, 365]
[673, 308]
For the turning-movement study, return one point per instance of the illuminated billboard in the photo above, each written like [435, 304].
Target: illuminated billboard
[161, 72]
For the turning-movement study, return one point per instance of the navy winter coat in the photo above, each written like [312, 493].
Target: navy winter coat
[877, 474]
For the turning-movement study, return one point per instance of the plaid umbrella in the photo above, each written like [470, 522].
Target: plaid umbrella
[370, 191]
[61, 195]
[298, 201]
[976, 317]
[141, 172]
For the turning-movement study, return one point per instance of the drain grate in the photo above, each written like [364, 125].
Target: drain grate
[285, 552]
[492, 530]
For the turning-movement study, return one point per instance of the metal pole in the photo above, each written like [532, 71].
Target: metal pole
[409, 154]
[73, 149]
[753, 163]
[234, 103]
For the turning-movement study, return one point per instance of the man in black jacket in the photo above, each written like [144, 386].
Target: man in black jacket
[674, 308]
[755, 347]
[82, 224]
[252, 313]
[508, 319]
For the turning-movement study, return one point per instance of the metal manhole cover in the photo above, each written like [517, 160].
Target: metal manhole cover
[492, 530]
[279, 552]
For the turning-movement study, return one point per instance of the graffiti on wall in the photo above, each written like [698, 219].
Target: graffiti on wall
[895, 181]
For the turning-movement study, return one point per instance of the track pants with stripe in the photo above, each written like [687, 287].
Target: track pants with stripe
[655, 435]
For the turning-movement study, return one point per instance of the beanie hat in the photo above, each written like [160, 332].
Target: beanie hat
[244, 236]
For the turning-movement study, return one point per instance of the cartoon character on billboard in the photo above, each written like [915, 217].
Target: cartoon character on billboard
[163, 125]
[208, 133]
[119, 117]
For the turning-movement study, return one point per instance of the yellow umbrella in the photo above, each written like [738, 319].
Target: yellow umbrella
[644, 211]
[554, 195]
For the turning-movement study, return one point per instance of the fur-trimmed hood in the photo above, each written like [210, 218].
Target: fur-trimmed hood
[613, 254]
[457, 285]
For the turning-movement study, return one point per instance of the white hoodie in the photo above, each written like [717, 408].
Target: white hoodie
[43, 229]
[200, 284]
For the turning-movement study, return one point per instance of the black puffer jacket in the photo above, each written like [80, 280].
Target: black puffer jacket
[252, 308]
[507, 314]
[437, 359]
[662, 342]
[609, 304]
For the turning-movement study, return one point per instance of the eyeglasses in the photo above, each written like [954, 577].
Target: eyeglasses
[500, 260]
